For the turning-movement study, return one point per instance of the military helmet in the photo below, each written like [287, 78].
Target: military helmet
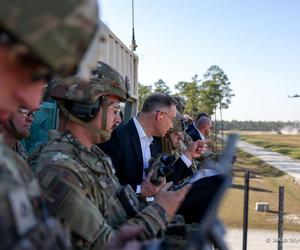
[80, 101]
[178, 124]
[56, 33]
[180, 103]
[104, 81]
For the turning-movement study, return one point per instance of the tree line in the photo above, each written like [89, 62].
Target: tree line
[209, 95]
[276, 126]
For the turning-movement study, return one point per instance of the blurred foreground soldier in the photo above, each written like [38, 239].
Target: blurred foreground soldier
[17, 128]
[36, 38]
[79, 179]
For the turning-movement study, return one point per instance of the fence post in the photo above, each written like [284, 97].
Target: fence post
[246, 208]
[280, 217]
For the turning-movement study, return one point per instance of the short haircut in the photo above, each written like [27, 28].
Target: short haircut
[203, 121]
[201, 114]
[157, 101]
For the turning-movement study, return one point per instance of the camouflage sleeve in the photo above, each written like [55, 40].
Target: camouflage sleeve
[154, 220]
[67, 200]
[90, 228]
[187, 139]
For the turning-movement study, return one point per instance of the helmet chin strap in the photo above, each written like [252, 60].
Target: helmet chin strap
[105, 105]
[105, 135]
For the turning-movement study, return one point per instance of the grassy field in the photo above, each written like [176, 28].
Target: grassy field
[264, 183]
[284, 144]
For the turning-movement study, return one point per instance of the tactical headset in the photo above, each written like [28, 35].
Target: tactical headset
[81, 113]
[84, 111]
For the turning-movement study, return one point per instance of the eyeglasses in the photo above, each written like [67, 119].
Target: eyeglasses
[25, 112]
[116, 109]
[164, 112]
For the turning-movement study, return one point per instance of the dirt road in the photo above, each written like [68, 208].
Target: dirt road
[282, 162]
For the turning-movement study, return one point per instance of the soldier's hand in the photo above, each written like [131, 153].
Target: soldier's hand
[196, 149]
[147, 188]
[169, 200]
[124, 239]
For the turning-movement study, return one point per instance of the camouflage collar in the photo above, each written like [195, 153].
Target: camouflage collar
[87, 157]
[67, 136]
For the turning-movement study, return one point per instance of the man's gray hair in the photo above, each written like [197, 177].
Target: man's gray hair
[203, 121]
[157, 101]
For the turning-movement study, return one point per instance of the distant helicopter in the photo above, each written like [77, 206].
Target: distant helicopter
[293, 96]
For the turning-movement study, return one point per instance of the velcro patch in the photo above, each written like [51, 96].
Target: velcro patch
[57, 195]
[22, 210]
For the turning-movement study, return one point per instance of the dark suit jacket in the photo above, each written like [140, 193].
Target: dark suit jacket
[190, 127]
[193, 132]
[125, 151]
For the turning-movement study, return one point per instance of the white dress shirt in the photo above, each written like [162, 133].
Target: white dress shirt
[145, 142]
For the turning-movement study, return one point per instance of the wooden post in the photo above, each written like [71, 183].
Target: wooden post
[280, 217]
[246, 208]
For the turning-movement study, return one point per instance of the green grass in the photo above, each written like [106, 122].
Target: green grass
[264, 183]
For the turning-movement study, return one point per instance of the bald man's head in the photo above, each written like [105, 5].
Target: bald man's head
[203, 125]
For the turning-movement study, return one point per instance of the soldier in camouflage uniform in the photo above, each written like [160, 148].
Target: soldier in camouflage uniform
[17, 128]
[172, 142]
[187, 140]
[36, 38]
[78, 178]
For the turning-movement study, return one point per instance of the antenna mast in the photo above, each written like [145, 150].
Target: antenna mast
[133, 45]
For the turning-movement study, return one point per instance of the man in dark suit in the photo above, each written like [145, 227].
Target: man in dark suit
[191, 126]
[132, 145]
[200, 129]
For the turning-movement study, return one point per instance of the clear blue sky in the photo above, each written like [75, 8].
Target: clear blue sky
[256, 43]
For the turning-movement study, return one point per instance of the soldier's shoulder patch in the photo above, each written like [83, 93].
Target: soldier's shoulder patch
[57, 185]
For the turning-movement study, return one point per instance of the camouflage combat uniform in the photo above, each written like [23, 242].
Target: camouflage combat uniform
[83, 190]
[187, 139]
[54, 35]
[167, 146]
[20, 150]
[25, 223]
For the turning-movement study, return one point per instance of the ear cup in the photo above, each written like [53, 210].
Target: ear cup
[84, 111]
